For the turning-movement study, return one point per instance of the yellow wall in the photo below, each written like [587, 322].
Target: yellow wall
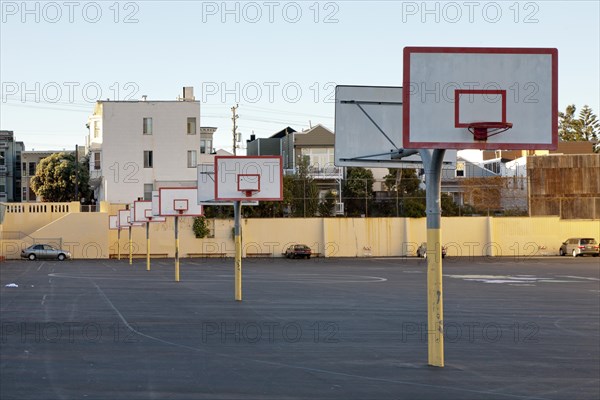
[28, 217]
[87, 235]
[83, 234]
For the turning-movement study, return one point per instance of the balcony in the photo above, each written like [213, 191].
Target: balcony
[95, 177]
[315, 172]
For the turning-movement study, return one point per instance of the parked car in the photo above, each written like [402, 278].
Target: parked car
[422, 250]
[579, 247]
[44, 251]
[298, 251]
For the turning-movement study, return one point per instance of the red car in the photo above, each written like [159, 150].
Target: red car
[298, 251]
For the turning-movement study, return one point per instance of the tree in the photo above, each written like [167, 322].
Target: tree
[449, 207]
[584, 128]
[327, 205]
[55, 178]
[406, 185]
[590, 127]
[404, 181]
[301, 193]
[358, 190]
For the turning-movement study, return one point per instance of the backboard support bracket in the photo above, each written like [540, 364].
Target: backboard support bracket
[389, 103]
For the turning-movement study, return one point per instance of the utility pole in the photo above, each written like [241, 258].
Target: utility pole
[234, 119]
[76, 173]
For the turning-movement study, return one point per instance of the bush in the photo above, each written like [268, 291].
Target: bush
[200, 227]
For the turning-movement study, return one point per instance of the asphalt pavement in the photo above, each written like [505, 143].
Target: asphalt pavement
[515, 328]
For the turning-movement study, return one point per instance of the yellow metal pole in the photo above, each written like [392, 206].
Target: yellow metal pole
[130, 247]
[432, 160]
[176, 249]
[435, 298]
[238, 268]
[237, 207]
[147, 246]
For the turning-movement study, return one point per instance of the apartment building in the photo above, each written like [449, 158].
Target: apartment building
[10, 167]
[136, 147]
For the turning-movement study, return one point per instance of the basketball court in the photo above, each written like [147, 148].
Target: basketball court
[319, 328]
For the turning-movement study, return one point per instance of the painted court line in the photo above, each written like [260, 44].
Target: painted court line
[302, 368]
[227, 278]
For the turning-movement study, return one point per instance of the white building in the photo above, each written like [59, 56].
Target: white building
[136, 147]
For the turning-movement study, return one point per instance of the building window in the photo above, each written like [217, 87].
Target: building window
[147, 129]
[191, 126]
[191, 159]
[460, 168]
[96, 129]
[97, 160]
[2, 158]
[31, 169]
[148, 162]
[2, 188]
[205, 146]
[24, 196]
[24, 168]
[148, 188]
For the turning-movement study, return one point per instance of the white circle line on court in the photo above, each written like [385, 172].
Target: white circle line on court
[226, 278]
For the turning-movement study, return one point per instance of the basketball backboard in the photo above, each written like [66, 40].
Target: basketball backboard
[113, 222]
[248, 178]
[179, 201]
[206, 187]
[480, 98]
[125, 219]
[368, 129]
[142, 212]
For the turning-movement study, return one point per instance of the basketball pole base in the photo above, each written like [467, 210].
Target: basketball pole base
[432, 161]
[147, 246]
[130, 247]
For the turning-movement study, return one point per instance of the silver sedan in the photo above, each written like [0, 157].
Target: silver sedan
[44, 251]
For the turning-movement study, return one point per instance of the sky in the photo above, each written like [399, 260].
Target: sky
[279, 60]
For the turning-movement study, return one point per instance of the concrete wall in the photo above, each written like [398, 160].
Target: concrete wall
[87, 235]
[29, 217]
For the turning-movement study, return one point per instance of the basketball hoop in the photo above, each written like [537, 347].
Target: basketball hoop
[483, 130]
[249, 192]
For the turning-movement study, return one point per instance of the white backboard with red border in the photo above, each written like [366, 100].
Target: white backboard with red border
[179, 201]
[248, 178]
[125, 219]
[113, 222]
[206, 187]
[142, 212]
[480, 98]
